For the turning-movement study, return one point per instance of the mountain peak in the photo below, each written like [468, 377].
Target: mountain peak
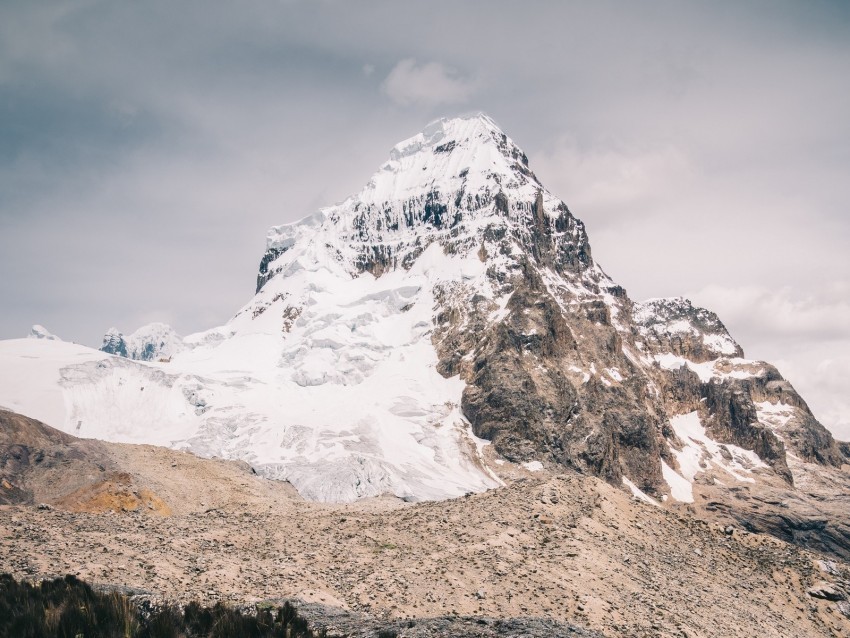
[447, 132]
[461, 182]
[467, 154]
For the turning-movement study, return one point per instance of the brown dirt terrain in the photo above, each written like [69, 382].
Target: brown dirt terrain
[560, 546]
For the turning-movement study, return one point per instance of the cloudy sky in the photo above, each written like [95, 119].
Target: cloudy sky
[146, 147]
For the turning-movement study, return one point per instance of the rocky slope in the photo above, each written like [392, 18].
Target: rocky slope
[564, 547]
[40, 465]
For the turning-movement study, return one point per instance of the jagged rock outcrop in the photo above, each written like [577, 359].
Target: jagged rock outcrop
[702, 368]
[746, 404]
[114, 343]
[675, 326]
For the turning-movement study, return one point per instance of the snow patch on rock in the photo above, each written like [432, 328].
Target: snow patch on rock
[699, 452]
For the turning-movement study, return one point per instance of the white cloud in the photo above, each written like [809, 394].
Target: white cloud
[612, 178]
[823, 314]
[429, 83]
[830, 383]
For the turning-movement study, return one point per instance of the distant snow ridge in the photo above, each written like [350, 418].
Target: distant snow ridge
[40, 332]
[149, 343]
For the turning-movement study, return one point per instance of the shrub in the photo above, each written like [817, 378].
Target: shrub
[68, 608]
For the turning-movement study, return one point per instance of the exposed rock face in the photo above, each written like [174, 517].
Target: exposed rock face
[114, 343]
[736, 397]
[265, 274]
[552, 379]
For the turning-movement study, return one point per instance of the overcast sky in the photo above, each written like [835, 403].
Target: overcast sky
[146, 147]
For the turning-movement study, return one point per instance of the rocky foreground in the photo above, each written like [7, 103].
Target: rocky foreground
[561, 547]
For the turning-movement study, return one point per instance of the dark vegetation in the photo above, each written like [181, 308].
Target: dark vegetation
[69, 608]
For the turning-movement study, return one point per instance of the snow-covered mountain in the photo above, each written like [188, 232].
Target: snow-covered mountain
[151, 342]
[452, 303]
[40, 332]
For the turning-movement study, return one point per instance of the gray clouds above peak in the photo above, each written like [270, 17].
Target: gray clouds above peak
[429, 83]
[146, 147]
